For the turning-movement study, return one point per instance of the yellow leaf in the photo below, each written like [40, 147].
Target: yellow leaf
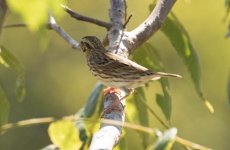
[209, 106]
[65, 135]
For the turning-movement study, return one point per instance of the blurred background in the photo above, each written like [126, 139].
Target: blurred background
[58, 81]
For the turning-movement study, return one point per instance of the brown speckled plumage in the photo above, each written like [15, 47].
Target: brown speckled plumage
[115, 71]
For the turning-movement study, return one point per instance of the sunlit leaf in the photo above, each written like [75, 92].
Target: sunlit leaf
[10, 61]
[34, 12]
[209, 106]
[93, 100]
[50, 147]
[4, 107]
[166, 141]
[64, 134]
[181, 41]
[137, 111]
[148, 56]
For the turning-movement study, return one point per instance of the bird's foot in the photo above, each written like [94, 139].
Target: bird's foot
[118, 100]
[111, 90]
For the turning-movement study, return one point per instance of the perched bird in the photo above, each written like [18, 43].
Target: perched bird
[115, 71]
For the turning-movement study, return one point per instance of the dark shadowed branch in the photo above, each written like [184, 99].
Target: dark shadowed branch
[86, 18]
[3, 10]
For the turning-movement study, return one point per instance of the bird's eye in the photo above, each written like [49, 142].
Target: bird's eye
[88, 46]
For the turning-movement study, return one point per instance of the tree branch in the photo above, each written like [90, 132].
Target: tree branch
[117, 16]
[3, 10]
[109, 134]
[47, 120]
[15, 25]
[152, 24]
[86, 19]
[53, 25]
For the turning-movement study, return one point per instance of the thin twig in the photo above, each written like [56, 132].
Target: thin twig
[15, 25]
[190, 144]
[78, 16]
[46, 120]
[33, 121]
[152, 111]
[53, 25]
[155, 131]
[127, 21]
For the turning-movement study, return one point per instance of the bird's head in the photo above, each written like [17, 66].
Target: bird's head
[90, 43]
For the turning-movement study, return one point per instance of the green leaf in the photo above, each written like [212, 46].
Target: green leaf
[35, 12]
[64, 135]
[148, 56]
[89, 110]
[138, 112]
[181, 41]
[228, 89]
[166, 141]
[93, 100]
[227, 6]
[8, 60]
[164, 101]
[81, 126]
[4, 107]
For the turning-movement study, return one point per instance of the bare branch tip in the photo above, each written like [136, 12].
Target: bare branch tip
[127, 21]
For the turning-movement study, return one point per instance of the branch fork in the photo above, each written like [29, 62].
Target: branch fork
[122, 43]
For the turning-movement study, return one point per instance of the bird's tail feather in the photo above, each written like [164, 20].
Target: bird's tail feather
[163, 74]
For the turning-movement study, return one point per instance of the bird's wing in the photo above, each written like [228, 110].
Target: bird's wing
[118, 61]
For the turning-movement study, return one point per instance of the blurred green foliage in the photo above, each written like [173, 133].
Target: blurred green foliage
[34, 12]
[8, 60]
[58, 82]
[148, 56]
[4, 107]
[166, 141]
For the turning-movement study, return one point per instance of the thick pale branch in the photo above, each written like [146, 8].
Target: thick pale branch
[108, 135]
[86, 19]
[152, 24]
[53, 25]
[117, 14]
